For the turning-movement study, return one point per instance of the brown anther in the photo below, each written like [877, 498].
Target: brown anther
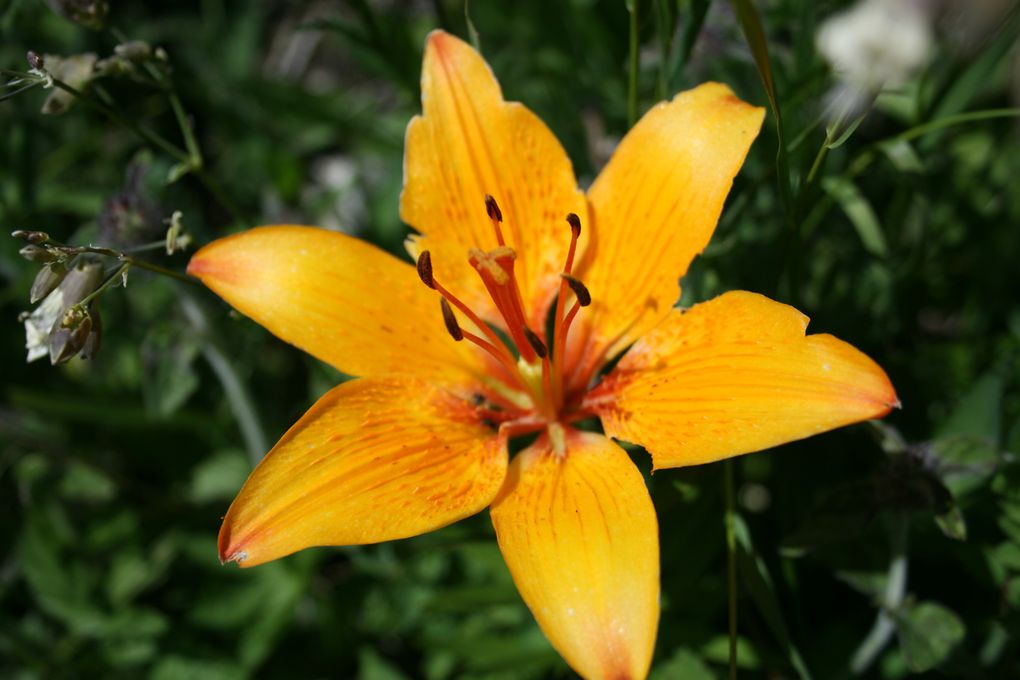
[536, 343]
[450, 320]
[34, 60]
[425, 269]
[575, 224]
[492, 208]
[580, 290]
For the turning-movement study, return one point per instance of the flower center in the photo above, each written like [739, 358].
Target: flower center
[534, 384]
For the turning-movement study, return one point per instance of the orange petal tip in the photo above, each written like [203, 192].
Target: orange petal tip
[238, 557]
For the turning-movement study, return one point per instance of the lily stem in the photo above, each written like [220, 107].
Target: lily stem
[731, 563]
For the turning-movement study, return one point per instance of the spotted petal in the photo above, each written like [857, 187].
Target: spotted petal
[373, 460]
[340, 299]
[655, 206]
[735, 375]
[469, 142]
[579, 534]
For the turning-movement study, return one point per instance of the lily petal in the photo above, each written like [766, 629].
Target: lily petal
[338, 298]
[469, 142]
[373, 460]
[655, 206]
[734, 375]
[579, 534]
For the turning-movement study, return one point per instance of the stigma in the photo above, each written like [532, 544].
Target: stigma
[534, 380]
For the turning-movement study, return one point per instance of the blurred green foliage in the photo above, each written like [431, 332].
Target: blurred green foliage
[114, 472]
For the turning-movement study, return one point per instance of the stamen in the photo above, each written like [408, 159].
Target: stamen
[451, 321]
[559, 328]
[543, 352]
[536, 343]
[569, 318]
[458, 334]
[575, 224]
[580, 290]
[428, 278]
[424, 265]
[496, 215]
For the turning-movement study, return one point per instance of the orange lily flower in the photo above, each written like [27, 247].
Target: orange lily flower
[419, 440]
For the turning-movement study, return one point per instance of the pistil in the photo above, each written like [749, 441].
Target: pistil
[540, 371]
[496, 269]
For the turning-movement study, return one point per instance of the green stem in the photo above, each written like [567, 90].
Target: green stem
[110, 281]
[731, 564]
[895, 590]
[823, 152]
[145, 133]
[186, 131]
[238, 397]
[125, 258]
[632, 98]
[160, 142]
[163, 271]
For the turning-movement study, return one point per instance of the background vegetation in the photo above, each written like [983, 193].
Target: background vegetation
[879, 550]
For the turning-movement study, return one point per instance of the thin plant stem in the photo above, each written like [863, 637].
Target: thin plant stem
[110, 281]
[163, 271]
[238, 397]
[145, 133]
[632, 97]
[823, 152]
[163, 144]
[731, 564]
[895, 590]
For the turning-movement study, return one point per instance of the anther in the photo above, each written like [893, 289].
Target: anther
[580, 290]
[450, 320]
[535, 342]
[492, 208]
[425, 269]
[575, 224]
[496, 216]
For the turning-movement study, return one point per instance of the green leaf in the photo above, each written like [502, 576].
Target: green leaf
[717, 650]
[928, 633]
[754, 33]
[86, 483]
[979, 412]
[174, 667]
[951, 522]
[372, 666]
[975, 77]
[860, 213]
[169, 378]
[903, 156]
[476, 40]
[219, 478]
[758, 582]
[684, 663]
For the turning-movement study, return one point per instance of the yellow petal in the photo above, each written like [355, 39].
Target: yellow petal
[655, 206]
[735, 375]
[373, 460]
[338, 298]
[468, 143]
[579, 534]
